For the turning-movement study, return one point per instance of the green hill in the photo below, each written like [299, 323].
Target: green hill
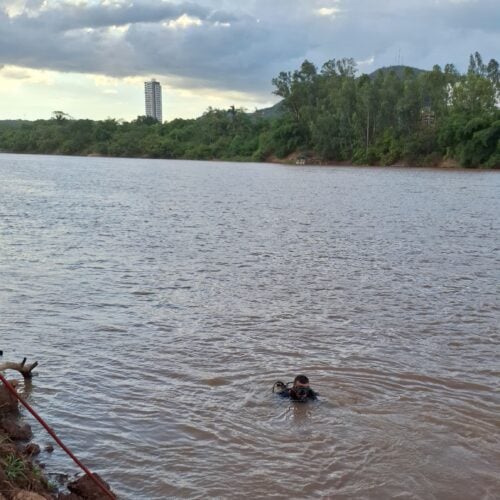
[400, 71]
[273, 112]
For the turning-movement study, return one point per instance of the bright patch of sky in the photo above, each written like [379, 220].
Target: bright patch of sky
[328, 11]
[90, 58]
[183, 21]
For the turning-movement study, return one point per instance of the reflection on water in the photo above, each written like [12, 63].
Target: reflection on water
[163, 299]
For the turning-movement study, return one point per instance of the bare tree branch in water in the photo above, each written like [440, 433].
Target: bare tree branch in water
[24, 369]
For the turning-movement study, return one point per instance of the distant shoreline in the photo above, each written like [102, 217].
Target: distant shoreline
[446, 165]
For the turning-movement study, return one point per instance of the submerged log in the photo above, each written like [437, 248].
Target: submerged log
[26, 370]
[8, 403]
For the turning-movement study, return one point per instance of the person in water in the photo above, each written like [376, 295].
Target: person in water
[299, 392]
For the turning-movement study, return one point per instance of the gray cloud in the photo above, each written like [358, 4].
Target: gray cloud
[241, 47]
[74, 16]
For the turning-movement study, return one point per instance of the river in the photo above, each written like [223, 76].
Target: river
[164, 298]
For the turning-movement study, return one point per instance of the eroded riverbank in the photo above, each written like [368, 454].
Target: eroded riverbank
[22, 471]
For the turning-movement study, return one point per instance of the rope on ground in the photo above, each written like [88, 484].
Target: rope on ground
[94, 478]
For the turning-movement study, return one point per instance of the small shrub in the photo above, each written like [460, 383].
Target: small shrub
[14, 467]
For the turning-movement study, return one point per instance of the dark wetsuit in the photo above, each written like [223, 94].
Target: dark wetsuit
[290, 394]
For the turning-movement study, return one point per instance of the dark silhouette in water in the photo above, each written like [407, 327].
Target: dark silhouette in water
[300, 391]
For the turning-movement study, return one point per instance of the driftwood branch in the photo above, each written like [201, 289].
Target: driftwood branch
[24, 369]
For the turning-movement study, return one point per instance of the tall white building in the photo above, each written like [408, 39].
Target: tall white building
[152, 93]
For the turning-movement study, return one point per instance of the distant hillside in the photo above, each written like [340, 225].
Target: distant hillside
[399, 70]
[279, 109]
[13, 123]
[273, 112]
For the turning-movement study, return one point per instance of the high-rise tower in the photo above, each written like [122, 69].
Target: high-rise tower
[152, 93]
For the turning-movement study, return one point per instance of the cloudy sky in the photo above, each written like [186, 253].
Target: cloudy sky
[89, 58]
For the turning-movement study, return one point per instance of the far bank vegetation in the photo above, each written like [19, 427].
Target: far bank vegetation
[396, 115]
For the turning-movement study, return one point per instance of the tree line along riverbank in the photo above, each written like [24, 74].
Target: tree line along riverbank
[396, 115]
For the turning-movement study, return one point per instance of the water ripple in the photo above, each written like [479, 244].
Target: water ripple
[164, 298]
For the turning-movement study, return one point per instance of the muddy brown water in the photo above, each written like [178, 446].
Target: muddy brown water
[163, 299]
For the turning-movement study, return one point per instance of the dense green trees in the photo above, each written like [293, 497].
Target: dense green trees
[395, 115]
[220, 134]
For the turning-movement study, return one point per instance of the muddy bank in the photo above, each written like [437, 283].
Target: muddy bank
[22, 474]
[299, 159]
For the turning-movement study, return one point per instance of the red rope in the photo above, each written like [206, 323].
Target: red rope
[56, 439]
